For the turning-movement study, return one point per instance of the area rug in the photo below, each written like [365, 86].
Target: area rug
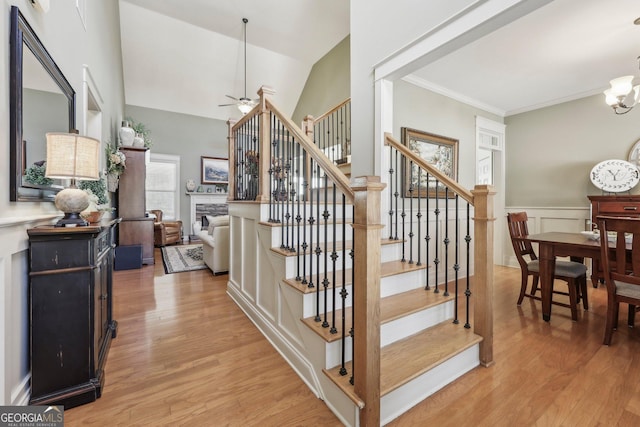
[181, 258]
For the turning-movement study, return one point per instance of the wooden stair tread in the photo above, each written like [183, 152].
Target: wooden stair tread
[345, 168]
[339, 245]
[391, 308]
[410, 357]
[389, 268]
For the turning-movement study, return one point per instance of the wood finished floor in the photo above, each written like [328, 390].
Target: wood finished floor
[185, 354]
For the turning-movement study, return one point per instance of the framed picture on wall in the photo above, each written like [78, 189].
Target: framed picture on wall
[438, 151]
[214, 170]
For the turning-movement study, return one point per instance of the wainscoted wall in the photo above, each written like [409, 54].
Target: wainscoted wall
[542, 220]
[14, 308]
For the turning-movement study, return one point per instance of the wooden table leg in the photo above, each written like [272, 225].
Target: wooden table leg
[547, 267]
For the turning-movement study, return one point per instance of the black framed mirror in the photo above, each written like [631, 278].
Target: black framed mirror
[41, 100]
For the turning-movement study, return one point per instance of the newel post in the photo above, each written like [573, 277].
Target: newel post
[264, 163]
[231, 185]
[484, 221]
[366, 296]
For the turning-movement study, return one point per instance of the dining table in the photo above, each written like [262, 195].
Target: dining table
[559, 244]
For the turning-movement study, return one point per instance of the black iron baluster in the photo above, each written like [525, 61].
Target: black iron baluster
[446, 241]
[305, 189]
[397, 194]
[325, 281]
[404, 214]
[411, 189]
[343, 290]
[298, 216]
[427, 236]
[272, 213]
[467, 292]
[318, 251]
[334, 258]
[436, 261]
[291, 191]
[456, 265]
[353, 293]
[419, 214]
[311, 222]
[392, 185]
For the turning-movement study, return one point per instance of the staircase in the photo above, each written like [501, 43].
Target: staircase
[292, 272]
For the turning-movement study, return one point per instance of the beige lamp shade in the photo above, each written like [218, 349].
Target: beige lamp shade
[72, 156]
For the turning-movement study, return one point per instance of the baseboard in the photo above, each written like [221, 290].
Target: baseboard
[22, 392]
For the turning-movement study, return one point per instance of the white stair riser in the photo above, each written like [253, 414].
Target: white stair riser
[403, 327]
[308, 261]
[293, 234]
[393, 331]
[404, 282]
[407, 396]
[309, 301]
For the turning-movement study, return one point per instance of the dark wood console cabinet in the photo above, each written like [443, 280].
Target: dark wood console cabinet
[613, 206]
[136, 227]
[70, 313]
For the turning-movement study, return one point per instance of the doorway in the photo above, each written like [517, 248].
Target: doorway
[490, 170]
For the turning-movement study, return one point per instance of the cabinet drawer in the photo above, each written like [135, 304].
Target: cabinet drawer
[619, 208]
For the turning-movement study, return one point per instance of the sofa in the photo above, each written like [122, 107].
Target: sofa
[214, 235]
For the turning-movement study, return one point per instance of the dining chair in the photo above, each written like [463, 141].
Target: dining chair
[620, 259]
[574, 273]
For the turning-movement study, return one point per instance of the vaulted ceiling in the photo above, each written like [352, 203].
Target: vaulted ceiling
[186, 56]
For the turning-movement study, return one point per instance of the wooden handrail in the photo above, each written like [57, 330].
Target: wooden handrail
[332, 171]
[444, 179]
[331, 111]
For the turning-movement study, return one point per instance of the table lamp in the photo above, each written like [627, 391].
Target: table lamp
[75, 157]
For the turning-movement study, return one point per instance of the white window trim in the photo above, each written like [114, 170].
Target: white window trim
[170, 158]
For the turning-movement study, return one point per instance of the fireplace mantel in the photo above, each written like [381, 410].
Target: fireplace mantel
[201, 204]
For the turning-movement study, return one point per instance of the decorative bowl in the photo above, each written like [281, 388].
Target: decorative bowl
[93, 216]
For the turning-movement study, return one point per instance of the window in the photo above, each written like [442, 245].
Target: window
[163, 175]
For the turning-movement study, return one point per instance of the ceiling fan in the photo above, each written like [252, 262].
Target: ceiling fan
[244, 104]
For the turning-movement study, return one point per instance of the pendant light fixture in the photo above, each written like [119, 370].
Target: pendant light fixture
[244, 104]
[623, 95]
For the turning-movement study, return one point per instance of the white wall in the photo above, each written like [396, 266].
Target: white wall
[71, 45]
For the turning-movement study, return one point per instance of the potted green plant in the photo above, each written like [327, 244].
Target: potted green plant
[35, 174]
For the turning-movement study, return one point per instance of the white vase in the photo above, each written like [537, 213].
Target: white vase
[191, 185]
[138, 141]
[127, 134]
[112, 182]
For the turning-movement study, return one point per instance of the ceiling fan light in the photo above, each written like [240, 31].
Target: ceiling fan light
[621, 86]
[245, 107]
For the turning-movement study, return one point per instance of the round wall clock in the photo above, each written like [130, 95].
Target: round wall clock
[615, 175]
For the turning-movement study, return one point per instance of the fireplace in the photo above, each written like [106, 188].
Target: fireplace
[214, 204]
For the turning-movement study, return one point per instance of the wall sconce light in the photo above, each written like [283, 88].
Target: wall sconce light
[75, 157]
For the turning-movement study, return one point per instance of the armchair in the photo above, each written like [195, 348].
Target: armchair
[166, 232]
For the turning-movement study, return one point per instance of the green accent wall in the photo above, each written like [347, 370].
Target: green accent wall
[328, 83]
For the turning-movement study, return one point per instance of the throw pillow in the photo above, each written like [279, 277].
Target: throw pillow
[220, 220]
[208, 219]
